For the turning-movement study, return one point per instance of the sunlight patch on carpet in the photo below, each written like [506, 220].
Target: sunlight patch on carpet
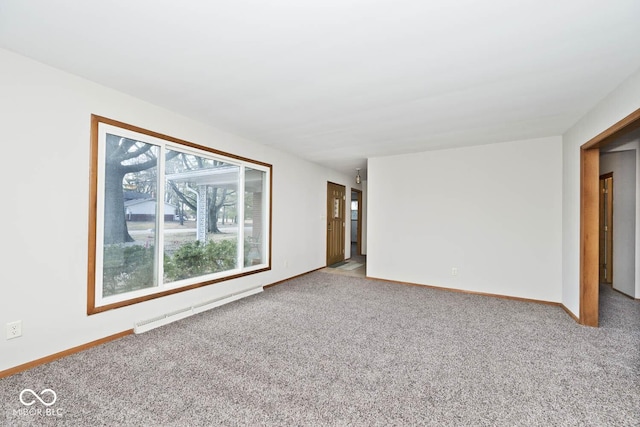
[350, 266]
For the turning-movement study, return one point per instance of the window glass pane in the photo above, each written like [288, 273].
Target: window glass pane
[254, 217]
[131, 176]
[201, 232]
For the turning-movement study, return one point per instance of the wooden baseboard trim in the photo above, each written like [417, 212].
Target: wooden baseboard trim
[64, 353]
[570, 313]
[290, 278]
[623, 294]
[462, 291]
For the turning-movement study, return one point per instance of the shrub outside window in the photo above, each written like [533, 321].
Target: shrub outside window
[167, 215]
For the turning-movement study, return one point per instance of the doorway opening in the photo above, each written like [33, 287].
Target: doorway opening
[590, 215]
[356, 222]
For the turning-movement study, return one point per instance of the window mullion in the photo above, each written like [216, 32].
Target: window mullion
[240, 210]
[160, 199]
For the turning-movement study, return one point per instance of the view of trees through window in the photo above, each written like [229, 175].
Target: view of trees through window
[172, 215]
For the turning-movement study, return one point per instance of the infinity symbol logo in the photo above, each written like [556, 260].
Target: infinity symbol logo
[34, 394]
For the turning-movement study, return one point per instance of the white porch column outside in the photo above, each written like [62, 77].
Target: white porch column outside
[201, 215]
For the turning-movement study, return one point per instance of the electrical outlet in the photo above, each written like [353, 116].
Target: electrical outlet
[454, 271]
[14, 329]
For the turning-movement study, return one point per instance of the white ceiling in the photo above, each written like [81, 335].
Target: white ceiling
[339, 81]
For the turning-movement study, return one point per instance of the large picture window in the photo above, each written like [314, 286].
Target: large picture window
[167, 215]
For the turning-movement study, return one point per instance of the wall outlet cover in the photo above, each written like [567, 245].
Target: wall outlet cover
[14, 329]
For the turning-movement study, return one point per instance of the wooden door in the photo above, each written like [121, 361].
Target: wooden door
[336, 198]
[606, 228]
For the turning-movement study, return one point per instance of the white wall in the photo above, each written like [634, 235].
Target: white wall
[623, 166]
[633, 145]
[45, 123]
[624, 100]
[492, 211]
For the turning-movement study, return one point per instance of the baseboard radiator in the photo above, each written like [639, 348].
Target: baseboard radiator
[165, 319]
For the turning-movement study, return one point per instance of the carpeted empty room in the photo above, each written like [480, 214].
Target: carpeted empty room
[329, 349]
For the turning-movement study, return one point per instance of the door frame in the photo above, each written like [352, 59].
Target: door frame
[605, 227]
[589, 215]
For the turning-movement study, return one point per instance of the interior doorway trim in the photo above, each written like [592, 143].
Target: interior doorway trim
[605, 227]
[589, 214]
